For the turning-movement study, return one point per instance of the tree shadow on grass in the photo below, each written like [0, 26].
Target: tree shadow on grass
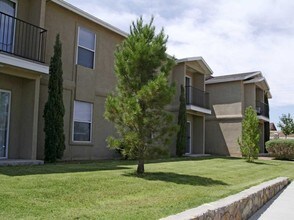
[61, 168]
[261, 163]
[178, 178]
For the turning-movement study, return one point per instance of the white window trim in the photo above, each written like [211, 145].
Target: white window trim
[91, 124]
[8, 124]
[77, 48]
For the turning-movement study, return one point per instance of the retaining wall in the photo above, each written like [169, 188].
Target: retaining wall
[235, 207]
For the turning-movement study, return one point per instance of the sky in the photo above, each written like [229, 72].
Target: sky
[233, 36]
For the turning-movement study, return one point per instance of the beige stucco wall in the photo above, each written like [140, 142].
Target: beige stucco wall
[198, 134]
[32, 11]
[177, 77]
[259, 94]
[225, 99]
[224, 127]
[81, 83]
[221, 137]
[229, 101]
[249, 96]
[23, 111]
[261, 138]
[198, 81]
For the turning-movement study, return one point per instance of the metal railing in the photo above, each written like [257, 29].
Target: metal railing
[262, 109]
[22, 39]
[197, 97]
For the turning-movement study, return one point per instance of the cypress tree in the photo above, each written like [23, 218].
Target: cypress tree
[182, 123]
[136, 108]
[54, 108]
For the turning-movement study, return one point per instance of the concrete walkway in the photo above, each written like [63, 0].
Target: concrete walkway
[279, 207]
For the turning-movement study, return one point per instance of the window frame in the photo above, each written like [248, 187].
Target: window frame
[8, 122]
[73, 123]
[77, 48]
[15, 15]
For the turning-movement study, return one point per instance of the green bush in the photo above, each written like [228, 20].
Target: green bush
[281, 148]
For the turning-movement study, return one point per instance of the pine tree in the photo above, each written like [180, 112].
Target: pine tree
[54, 108]
[250, 135]
[182, 123]
[137, 109]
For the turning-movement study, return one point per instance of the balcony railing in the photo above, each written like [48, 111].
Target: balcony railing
[22, 39]
[262, 109]
[197, 97]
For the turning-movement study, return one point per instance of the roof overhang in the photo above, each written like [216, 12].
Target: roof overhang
[216, 79]
[82, 13]
[262, 83]
[200, 61]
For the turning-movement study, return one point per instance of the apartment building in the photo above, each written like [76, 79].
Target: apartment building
[191, 73]
[88, 73]
[230, 95]
[27, 35]
[22, 65]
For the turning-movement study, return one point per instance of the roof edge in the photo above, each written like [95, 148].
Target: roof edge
[191, 59]
[232, 80]
[89, 16]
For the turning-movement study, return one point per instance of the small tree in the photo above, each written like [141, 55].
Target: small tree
[142, 68]
[54, 108]
[250, 135]
[286, 124]
[182, 123]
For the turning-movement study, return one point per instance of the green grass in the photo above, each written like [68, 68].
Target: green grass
[110, 190]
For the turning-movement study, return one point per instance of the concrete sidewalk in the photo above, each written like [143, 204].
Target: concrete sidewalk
[279, 207]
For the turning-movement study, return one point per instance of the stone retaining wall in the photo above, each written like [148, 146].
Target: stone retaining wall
[235, 207]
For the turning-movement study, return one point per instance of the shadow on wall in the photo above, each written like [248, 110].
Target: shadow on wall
[215, 142]
[178, 178]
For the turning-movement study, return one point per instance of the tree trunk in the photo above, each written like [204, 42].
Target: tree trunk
[140, 168]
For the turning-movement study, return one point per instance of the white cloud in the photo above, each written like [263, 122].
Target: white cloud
[232, 36]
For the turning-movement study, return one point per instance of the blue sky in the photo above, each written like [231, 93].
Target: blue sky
[233, 36]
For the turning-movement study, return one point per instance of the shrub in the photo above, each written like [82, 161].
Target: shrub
[281, 148]
[250, 135]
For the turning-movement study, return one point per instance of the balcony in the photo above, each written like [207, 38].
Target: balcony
[22, 39]
[262, 109]
[197, 97]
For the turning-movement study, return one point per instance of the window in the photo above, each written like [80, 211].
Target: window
[82, 119]
[7, 25]
[86, 48]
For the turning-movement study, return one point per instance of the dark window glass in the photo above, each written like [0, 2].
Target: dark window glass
[85, 57]
[82, 131]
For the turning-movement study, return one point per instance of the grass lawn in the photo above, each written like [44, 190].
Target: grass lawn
[110, 190]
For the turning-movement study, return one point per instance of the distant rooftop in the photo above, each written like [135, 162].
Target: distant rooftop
[232, 77]
[273, 127]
